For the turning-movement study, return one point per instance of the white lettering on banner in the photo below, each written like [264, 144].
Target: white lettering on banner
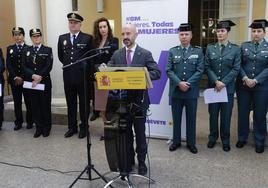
[157, 32]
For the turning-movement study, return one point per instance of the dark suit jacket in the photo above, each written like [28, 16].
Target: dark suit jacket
[40, 64]
[70, 53]
[14, 61]
[141, 58]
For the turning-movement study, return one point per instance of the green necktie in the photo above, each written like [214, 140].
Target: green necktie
[222, 48]
[184, 52]
[256, 46]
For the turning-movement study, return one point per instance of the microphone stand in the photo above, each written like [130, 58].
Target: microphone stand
[89, 166]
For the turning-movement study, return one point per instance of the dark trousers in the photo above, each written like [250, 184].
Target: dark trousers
[41, 109]
[247, 99]
[138, 123]
[17, 92]
[225, 112]
[190, 107]
[71, 93]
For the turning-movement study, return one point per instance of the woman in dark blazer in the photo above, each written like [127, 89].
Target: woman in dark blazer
[37, 64]
[102, 37]
[252, 87]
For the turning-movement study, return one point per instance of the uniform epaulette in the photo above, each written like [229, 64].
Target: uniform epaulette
[235, 44]
[198, 47]
[175, 47]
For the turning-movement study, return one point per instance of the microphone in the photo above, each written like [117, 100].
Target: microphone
[99, 50]
[104, 48]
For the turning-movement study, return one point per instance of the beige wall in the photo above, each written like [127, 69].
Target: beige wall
[112, 11]
[259, 7]
[7, 22]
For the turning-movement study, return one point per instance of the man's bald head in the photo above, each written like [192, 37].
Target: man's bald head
[131, 27]
[129, 35]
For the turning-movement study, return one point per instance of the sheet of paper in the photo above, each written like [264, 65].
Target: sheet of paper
[28, 85]
[212, 96]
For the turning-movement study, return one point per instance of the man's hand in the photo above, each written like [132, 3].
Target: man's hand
[219, 85]
[36, 79]
[184, 86]
[18, 81]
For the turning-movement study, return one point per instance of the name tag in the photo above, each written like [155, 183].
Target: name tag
[81, 44]
[264, 51]
[194, 56]
[43, 54]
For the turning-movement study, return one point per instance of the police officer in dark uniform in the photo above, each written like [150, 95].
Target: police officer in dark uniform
[252, 86]
[2, 81]
[13, 62]
[184, 69]
[37, 64]
[71, 47]
[222, 64]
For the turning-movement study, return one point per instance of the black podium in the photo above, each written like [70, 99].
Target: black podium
[116, 128]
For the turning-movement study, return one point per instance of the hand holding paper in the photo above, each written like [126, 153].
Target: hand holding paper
[30, 85]
[213, 96]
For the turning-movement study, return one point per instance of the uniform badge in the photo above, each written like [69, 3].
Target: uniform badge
[64, 42]
[246, 49]
[11, 51]
[194, 56]
[28, 53]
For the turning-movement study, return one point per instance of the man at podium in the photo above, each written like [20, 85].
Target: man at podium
[135, 56]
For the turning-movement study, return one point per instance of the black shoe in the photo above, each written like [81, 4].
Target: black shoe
[29, 126]
[192, 149]
[82, 134]
[142, 169]
[102, 138]
[211, 144]
[46, 134]
[17, 127]
[94, 116]
[240, 144]
[173, 147]
[226, 147]
[70, 133]
[259, 149]
[37, 133]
